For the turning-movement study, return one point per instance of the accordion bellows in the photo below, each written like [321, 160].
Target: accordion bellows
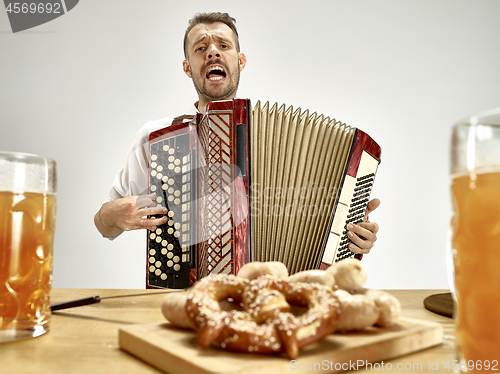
[297, 168]
[264, 184]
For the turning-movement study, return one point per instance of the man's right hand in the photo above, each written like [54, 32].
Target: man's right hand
[128, 213]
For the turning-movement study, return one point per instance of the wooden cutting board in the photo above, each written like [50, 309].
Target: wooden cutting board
[174, 350]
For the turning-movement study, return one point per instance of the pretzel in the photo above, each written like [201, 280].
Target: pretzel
[203, 308]
[319, 320]
[264, 325]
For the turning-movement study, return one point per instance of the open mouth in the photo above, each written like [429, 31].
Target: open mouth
[215, 73]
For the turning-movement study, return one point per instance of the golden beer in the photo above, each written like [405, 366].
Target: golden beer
[27, 224]
[476, 244]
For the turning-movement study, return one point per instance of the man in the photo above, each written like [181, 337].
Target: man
[213, 61]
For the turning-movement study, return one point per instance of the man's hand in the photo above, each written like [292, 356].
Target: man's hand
[364, 234]
[128, 214]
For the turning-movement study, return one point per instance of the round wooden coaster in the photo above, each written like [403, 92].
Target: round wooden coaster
[441, 303]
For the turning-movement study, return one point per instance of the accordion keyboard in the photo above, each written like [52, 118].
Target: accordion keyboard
[170, 245]
[356, 212]
[351, 208]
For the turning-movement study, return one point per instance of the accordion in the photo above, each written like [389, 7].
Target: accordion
[243, 184]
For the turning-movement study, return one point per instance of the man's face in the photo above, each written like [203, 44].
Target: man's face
[213, 62]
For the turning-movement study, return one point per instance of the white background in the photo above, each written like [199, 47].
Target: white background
[77, 89]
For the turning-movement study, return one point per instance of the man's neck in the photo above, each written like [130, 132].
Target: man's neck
[201, 105]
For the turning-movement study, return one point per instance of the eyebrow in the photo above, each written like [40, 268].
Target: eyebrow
[216, 37]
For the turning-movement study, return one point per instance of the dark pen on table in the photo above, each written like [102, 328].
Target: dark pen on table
[97, 299]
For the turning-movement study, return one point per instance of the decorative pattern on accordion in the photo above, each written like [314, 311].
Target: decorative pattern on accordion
[216, 251]
[169, 246]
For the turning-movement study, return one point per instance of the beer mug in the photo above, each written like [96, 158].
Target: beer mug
[27, 224]
[475, 190]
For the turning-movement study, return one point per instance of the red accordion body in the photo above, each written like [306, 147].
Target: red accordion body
[214, 175]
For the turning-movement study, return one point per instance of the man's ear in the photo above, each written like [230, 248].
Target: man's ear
[242, 61]
[187, 68]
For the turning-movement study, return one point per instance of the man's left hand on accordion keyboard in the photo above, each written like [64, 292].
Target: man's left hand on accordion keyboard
[129, 213]
[364, 235]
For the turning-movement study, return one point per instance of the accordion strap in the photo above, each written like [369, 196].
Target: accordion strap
[181, 119]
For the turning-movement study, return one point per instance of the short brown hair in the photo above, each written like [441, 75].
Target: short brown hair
[209, 18]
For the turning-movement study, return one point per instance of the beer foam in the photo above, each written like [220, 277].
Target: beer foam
[475, 172]
[27, 173]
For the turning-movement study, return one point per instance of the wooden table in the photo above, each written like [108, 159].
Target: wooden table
[85, 339]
